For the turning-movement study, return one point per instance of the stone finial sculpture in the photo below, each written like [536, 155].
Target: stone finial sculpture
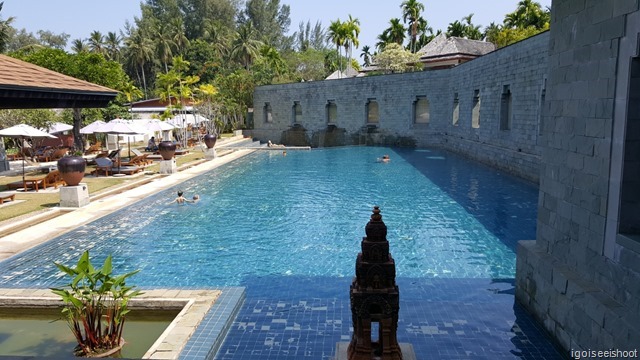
[375, 297]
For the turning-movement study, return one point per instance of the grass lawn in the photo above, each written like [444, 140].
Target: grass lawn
[36, 201]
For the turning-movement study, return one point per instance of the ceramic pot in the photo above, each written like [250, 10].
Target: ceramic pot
[72, 169]
[167, 149]
[210, 140]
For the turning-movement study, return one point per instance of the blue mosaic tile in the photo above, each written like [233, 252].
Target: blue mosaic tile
[287, 318]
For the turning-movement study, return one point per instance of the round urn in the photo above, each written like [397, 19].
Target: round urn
[72, 169]
[210, 140]
[167, 149]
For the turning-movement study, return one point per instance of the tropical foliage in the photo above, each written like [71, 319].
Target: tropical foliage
[238, 44]
[96, 304]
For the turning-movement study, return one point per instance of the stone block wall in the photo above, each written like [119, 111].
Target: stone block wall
[521, 67]
[581, 277]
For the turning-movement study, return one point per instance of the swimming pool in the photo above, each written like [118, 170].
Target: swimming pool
[288, 228]
[303, 215]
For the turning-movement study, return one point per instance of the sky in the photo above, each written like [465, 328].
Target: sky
[79, 18]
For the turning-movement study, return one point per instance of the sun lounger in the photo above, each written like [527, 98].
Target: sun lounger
[51, 179]
[107, 166]
[7, 196]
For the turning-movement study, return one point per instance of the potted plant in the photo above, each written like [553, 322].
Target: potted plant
[71, 168]
[167, 149]
[96, 305]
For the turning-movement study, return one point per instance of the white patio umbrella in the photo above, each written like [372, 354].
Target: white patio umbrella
[91, 127]
[120, 127]
[154, 125]
[23, 131]
[58, 127]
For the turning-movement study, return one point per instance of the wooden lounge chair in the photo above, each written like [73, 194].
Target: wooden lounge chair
[53, 155]
[95, 148]
[51, 179]
[4, 196]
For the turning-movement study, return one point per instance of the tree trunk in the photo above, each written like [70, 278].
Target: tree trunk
[77, 124]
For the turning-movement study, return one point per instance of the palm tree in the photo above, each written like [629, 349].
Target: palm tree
[366, 55]
[79, 46]
[351, 31]
[179, 36]
[471, 31]
[96, 43]
[164, 44]
[396, 31]
[491, 32]
[456, 29]
[273, 59]
[140, 50]
[245, 47]
[528, 13]
[383, 40]
[338, 37]
[112, 44]
[425, 33]
[411, 10]
[5, 27]
[131, 93]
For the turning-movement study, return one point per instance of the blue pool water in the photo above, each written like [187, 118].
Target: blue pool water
[304, 215]
[289, 229]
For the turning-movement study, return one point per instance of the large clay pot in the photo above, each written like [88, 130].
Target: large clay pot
[72, 169]
[210, 140]
[167, 149]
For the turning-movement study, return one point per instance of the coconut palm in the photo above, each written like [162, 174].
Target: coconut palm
[179, 35]
[273, 59]
[131, 93]
[456, 29]
[383, 41]
[411, 10]
[472, 32]
[163, 43]
[140, 49]
[96, 43]
[112, 44]
[245, 47]
[79, 46]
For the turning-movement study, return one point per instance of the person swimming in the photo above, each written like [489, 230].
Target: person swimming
[385, 159]
[180, 199]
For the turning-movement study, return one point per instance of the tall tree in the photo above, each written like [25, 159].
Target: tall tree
[49, 39]
[425, 33]
[140, 51]
[351, 31]
[528, 13]
[112, 44]
[366, 55]
[5, 28]
[395, 31]
[411, 10]
[245, 47]
[197, 13]
[79, 45]
[270, 19]
[338, 37]
[96, 43]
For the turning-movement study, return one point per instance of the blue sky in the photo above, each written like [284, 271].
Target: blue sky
[79, 18]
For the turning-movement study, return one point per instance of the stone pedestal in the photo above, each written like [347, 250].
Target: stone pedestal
[210, 154]
[168, 166]
[74, 196]
[407, 351]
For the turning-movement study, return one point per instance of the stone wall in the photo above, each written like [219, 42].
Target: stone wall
[581, 277]
[521, 67]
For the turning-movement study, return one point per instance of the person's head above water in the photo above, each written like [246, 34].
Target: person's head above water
[179, 192]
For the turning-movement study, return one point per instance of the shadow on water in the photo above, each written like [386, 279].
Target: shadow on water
[504, 204]
[295, 316]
